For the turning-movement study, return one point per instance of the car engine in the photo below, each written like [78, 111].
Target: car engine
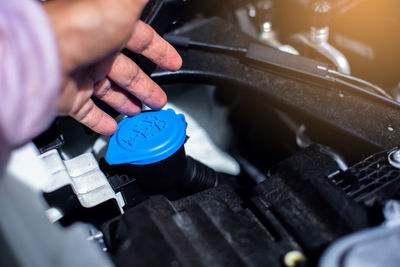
[278, 147]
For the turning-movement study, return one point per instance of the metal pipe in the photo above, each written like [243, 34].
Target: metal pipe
[318, 40]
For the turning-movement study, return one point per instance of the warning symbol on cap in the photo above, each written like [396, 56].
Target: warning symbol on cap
[148, 127]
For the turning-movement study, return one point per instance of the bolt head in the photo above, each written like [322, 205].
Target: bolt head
[396, 156]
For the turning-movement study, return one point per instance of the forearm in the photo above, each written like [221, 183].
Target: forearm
[29, 72]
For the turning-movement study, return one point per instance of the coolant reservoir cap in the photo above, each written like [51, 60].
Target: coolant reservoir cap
[147, 138]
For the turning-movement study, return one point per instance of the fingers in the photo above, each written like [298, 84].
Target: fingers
[127, 75]
[85, 111]
[94, 118]
[144, 40]
[117, 98]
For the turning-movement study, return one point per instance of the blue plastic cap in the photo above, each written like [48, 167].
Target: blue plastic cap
[147, 138]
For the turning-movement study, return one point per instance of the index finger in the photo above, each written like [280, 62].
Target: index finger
[145, 41]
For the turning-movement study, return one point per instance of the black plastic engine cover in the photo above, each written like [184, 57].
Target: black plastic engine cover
[297, 208]
[212, 228]
[312, 209]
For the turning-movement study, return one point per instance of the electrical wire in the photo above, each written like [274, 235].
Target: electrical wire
[361, 81]
[336, 77]
[220, 48]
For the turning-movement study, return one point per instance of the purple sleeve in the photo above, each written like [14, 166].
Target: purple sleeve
[30, 74]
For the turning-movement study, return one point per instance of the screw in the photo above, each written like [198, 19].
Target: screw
[394, 158]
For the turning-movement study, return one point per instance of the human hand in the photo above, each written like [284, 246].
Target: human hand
[90, 35]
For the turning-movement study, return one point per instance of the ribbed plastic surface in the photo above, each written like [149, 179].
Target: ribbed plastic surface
[371, 179]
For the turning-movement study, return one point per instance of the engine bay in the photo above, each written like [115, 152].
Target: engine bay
[290, 156]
